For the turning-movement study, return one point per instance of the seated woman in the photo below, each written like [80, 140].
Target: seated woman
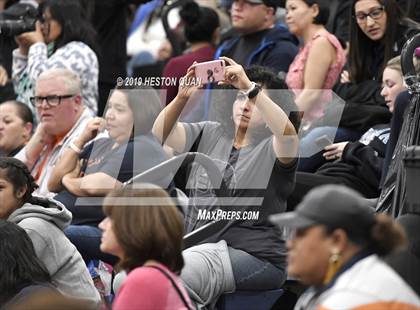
[44, 221]
[254, 144]
[22, 273]
[356, 164]
[337, 249]
[378, 32]
[94, 167]
[147, 238]
[16, 124]
[317, 67]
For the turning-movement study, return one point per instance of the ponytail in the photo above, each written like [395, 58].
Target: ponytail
[386, 235]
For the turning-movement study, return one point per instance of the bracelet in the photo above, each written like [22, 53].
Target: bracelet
[253, 91]
[75, 148]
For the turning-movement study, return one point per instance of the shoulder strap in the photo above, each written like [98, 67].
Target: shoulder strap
[175, 286]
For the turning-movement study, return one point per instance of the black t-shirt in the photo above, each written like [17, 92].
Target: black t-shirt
[255, 181]
[121, 163]
[246, 45]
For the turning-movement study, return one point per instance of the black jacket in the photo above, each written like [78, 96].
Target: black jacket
[361, 166]
[276, 50]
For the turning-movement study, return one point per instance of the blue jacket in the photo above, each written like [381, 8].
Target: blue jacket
[276, 50]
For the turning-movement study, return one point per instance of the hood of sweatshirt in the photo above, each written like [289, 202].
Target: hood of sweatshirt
[44, 208]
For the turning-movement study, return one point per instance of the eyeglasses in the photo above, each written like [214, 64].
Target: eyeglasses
[241, 96]
[375, 14]
[52, 100]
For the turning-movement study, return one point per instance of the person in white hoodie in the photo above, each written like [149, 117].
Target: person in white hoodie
[44, 220]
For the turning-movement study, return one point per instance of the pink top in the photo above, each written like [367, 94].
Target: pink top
[295, 76]
[149, 288]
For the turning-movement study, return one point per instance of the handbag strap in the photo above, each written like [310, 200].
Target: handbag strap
[175, 286]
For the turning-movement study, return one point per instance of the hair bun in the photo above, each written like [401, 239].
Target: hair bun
[190, 12]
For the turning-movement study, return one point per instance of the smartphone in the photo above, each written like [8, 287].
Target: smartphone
[323, 141]
[210, 71]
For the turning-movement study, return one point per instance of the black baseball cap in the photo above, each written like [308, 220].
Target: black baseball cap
[335, 206]
[272, 3]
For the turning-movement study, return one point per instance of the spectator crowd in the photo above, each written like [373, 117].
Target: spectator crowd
[120, 193]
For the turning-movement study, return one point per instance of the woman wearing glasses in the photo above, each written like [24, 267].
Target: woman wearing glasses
[378, 31]
[64, 39]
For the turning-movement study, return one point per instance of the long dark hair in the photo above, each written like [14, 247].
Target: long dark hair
[75, 25]
[277, 91]
[20, 267]
[363, 50]
[144, 103]
[16, 172]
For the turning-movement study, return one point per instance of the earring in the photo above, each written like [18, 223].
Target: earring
[334, 265]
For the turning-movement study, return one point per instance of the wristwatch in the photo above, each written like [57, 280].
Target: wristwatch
[253, 91]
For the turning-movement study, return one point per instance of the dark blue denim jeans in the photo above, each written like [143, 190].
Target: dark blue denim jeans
[311, 154]
[87, 240]
[252, 274]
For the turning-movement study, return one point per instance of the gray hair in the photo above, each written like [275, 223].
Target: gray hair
[70, 79]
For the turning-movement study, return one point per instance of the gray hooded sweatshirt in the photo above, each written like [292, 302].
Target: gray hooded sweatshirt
[44, 221]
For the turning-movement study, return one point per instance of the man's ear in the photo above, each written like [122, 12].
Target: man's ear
[79, 101]
[270, 12]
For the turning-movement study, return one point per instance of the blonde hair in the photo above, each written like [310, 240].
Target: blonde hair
[394, 64]
[70, 79]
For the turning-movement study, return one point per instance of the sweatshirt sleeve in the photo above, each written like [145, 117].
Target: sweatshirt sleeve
[41, 247]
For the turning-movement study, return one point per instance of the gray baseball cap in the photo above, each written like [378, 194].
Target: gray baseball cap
[335, 206]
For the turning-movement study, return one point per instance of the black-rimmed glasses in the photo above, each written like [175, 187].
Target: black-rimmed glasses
[52, 100]
[375, 14]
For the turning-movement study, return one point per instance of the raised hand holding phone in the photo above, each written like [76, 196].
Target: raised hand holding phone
[210, 71]
[188, 83]
[235, 75]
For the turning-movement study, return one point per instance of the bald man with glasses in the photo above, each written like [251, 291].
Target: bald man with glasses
[62, 116]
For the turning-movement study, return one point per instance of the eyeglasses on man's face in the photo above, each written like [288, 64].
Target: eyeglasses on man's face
[52, 100]
[375, 14]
